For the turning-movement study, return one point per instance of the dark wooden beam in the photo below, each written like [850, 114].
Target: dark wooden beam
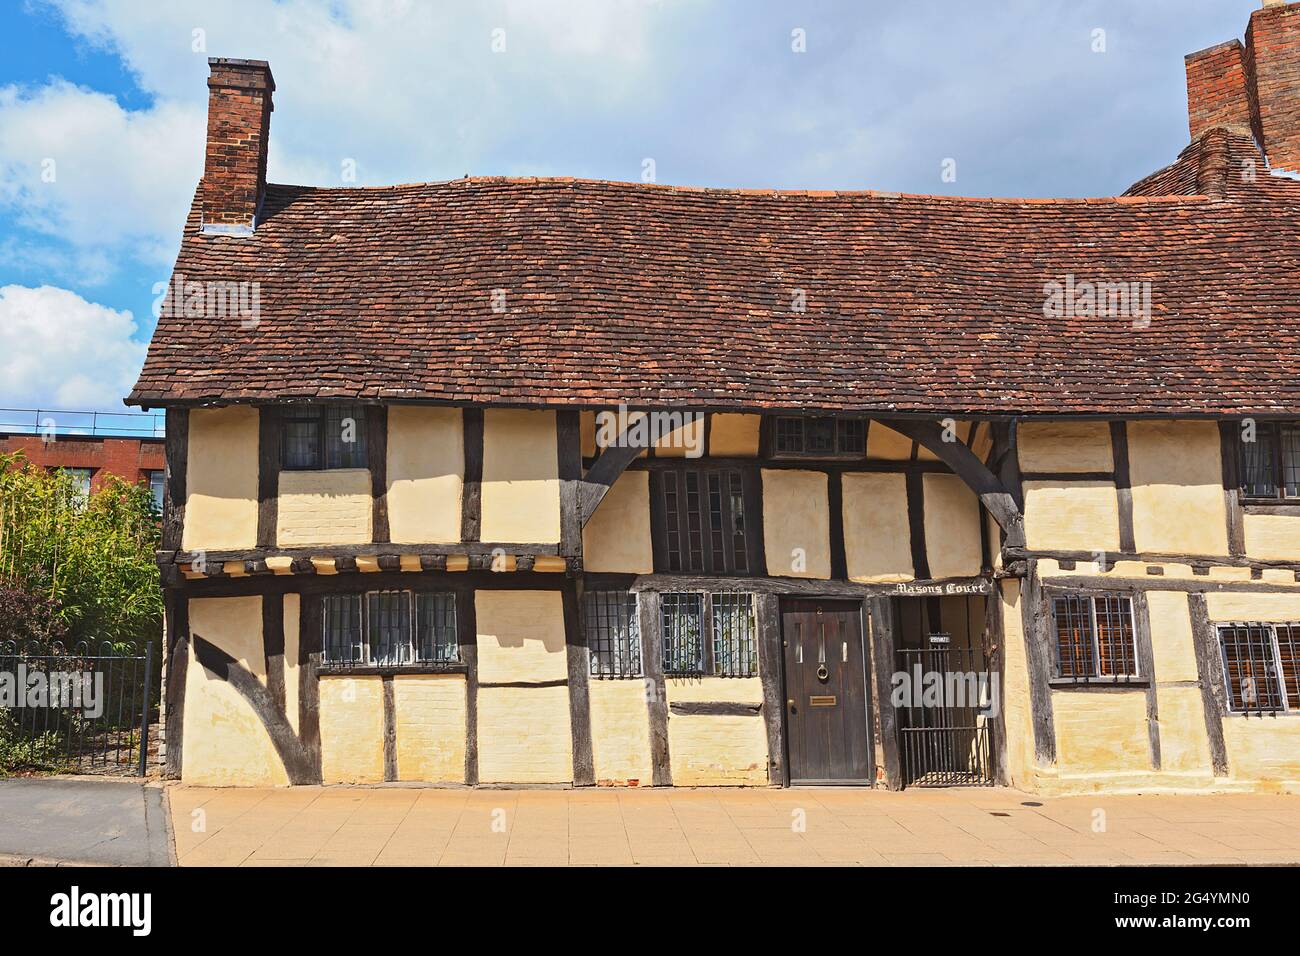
[715, 708]
[1123, 485]
[835, 504]
[377, 453]
[311, 635]
[916, 525]
[1230, 456]
[269, 440]
[176, 450]
[568, 452]
[178, 657]
[390, 729]
[609, 464]
[656, 690]
[1209, 671]
[467, 636]
[767, 610]
[471, 498]
[273, 643]
[1147, 669]
[578, 658]
[1040, 660]
[880, 635]
[997, 498]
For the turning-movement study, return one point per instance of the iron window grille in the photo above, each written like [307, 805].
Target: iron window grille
[1095, 637]
[1270, 465]
[801, 437]
[390, 629]
[323, 437]
[701, 522]
[726, 617]
[613, 633]
[1260, 667]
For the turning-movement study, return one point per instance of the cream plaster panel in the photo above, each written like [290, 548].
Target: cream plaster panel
[226, 743]
[734, 436]
[1177, 480]
[796, 524]
[221, 479]
[292, 618]
[520, 636]
[1171, 637]
[684, 442]
[732, 690]
[877, 536]
[620, 731]
[1101, 731]
[717, 750]
[1266, 750]
[524, 735]
[952, 527]
[1064, 446]
[352, 729]
[1184, 744]
[1015, 699]
[1072, 515]
[324, 507]
[1246, 606]
[521, 487]
[1272, 537]
[885, 443]
[430, 717]
[617, 538]
[426, 467]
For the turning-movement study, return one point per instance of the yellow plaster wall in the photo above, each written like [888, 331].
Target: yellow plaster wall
[524, 735]
[1272, 537]
[1015, 697]
[1176, 474]
[1184, 743]
[1101, 731]
[520, 636]
[352, 729]
[617, 538]
[1072, 515]
[1064, 446]
[1264, 750]
[877, 536]
[221, 479]
[1173, 652]
[952, 527]
[292, 617]
[885, 443]
[717, 750]
[730, 690]
[430, 718]
[426, 468]
[620, 732]
[1246, 606]
[226, 743]
[324, 507]
[687, 441]
[521, 487]
[796, 517]
[734, 436]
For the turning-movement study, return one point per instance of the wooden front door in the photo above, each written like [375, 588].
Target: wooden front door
[826, 692]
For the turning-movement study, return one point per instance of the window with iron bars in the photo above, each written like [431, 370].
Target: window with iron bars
[708, 634]
[1260, 667]
[320, 437]
[701, 522]
[609, 619]
[1270, 465]
[1095, 637]
[389, 629]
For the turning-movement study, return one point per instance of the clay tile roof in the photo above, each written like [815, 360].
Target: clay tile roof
[651, 295]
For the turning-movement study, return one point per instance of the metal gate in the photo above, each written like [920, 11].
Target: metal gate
[944, 718]
[77, 709]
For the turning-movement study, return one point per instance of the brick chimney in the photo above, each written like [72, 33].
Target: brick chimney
[239, 123]
[1254, 87]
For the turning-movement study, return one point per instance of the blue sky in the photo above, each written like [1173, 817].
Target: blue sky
[103, 102]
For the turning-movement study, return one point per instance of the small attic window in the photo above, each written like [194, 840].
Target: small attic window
[322, 437]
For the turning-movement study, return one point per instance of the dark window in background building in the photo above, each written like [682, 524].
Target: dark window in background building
[156, 488]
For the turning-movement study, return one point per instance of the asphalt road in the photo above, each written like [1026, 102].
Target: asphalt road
[109, 822]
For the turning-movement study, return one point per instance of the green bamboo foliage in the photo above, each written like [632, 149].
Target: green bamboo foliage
[93, 556]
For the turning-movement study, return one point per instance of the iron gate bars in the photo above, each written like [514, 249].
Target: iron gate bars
[943, 733]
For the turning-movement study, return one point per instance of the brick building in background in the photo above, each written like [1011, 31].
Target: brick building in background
[90, 445]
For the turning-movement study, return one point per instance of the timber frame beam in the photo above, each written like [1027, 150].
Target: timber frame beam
[1000, 502]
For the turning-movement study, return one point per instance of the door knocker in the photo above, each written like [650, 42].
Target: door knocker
[822, 672]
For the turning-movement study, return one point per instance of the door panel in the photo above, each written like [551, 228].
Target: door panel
[826, 692]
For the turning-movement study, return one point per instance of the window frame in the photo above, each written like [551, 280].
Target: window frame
[837, 421]
[1278, 477]
[709, 665]
[674, 479]
[319, 416]
[1275, 665]
[161, 474]
[366, 639]
[596, 611]
[1135, 677]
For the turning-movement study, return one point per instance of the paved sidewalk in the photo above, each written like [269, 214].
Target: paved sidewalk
[57, 820]
[393, 825]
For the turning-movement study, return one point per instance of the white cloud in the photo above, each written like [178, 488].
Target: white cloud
[57, 348]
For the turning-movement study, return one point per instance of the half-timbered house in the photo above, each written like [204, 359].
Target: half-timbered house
[522, 481]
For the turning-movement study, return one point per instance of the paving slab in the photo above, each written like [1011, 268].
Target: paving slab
[98, 821]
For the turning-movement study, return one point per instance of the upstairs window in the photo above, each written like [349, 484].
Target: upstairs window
[1261, 666]
[799, 437]
[319, 437]
[708, 635]
[390, 629]
[1095, 637]
[699, 520]
[1270, 465]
